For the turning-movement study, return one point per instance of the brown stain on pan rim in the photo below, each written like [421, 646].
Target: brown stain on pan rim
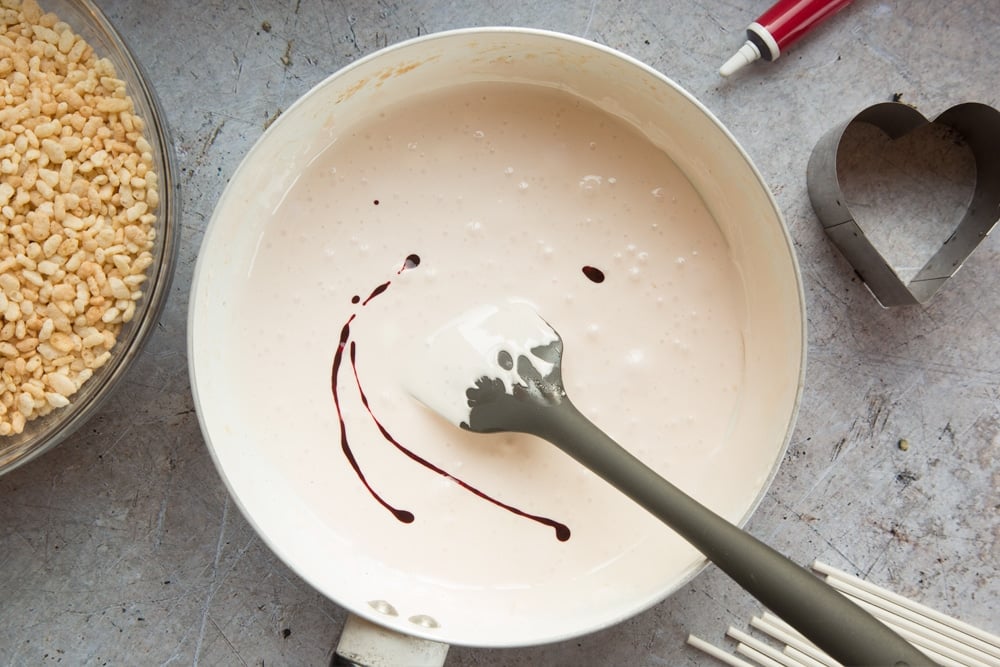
[382, 76]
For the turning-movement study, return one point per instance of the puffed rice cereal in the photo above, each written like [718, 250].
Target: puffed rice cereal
[77, 199]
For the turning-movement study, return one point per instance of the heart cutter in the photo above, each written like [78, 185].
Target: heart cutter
[979, 126]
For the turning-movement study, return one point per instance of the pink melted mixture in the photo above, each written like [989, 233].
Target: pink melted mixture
[501, 192]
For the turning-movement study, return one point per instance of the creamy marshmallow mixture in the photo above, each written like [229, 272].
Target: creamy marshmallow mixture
[473, 195]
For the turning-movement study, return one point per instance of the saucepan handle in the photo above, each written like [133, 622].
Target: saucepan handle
[365, 644]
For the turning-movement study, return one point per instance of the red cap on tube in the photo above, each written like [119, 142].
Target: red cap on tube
[778, 28]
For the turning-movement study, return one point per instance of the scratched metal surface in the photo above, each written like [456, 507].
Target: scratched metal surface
[122, 547]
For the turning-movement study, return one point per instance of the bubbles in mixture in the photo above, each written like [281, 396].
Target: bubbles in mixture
[635, 357]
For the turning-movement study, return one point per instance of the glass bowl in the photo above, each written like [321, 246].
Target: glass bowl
[45, 432]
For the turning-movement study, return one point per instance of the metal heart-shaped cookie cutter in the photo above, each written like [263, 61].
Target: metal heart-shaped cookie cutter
[979, 125]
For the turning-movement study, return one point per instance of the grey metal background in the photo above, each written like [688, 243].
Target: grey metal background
[121, 546]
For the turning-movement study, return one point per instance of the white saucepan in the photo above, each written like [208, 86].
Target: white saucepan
[358, 220]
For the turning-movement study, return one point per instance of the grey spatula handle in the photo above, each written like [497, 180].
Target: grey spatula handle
[845, 631]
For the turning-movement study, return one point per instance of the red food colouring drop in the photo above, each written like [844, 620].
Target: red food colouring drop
[375, 292]
[355, 299]
[375, 202]
[411, 262]
[594, 274]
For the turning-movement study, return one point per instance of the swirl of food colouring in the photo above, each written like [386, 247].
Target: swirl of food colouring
[411, 262]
